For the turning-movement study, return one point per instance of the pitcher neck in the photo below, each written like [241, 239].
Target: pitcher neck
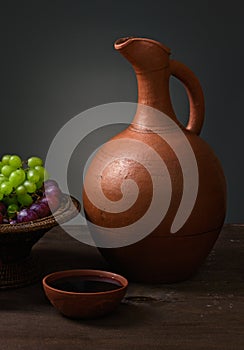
[153, 90]
[150, 61]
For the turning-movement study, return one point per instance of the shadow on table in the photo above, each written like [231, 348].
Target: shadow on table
[27, 298]
[125, 315]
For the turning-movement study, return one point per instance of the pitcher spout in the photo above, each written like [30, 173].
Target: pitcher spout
[144, 54]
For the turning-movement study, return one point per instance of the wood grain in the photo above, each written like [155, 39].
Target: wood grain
[204, 313]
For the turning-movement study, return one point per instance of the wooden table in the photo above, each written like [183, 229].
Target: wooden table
[206, 312]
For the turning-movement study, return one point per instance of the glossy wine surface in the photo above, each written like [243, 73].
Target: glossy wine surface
[86, 284]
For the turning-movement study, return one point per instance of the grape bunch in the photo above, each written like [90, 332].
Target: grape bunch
[25, 192]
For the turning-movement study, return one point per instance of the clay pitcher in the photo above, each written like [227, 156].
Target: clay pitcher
[177, 203]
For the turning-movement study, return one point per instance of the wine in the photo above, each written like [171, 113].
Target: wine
[86, 284]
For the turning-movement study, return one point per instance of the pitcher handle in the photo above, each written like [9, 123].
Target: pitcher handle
[194, 93]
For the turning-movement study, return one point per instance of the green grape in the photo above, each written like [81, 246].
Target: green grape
[7, 170]
[12, 210]
[33, 176]
[42, 172]
[30, 186]
[3, 178]
[5, 159]
[25, 199]
[15, 161]
[6, 188]
[17, 183]
[17, 177]
[12, 199]
[39, 184]
[34, 161]
[46, 175]
[20, 190]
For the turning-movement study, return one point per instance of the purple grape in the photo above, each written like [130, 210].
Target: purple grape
[5, 221]
[1, 218]
[41, 209]
[52, 202]
[26, 215]
[3, 208]
[13, 222]
[53, 191]
[53, 195]
[49, 183]
[44, 200]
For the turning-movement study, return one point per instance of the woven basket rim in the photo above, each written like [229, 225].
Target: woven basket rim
[68, 209]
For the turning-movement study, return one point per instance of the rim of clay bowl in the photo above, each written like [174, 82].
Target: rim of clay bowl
[85, 272]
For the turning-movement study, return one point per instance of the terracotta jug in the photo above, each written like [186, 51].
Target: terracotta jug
[170, 252]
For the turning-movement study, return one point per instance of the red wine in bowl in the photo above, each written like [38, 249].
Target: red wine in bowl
[86, 284]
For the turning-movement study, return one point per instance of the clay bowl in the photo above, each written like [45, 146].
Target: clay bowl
[17, 266]
[81, 294]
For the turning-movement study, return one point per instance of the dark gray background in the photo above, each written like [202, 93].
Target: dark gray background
[57, 59]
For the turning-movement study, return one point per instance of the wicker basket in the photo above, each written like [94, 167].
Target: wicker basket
[18, 267]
